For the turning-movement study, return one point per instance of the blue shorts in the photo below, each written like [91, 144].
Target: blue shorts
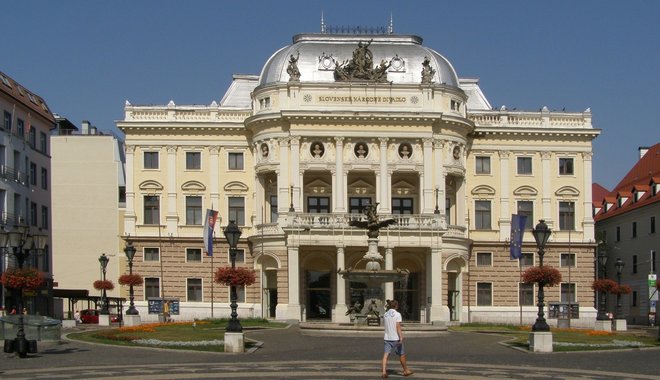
[394, 346]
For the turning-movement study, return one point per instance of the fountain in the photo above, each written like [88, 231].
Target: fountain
[372, 275]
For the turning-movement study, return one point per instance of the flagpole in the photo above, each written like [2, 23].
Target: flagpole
[212, 240]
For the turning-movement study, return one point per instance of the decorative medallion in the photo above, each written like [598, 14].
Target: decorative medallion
[264, 150]
[414, 99]
[405, 151]
[457, 152]
[361, 150]
[326, 62]
[307, 98]
[317, 149]
[398, 64]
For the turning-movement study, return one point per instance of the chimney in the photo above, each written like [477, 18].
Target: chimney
[85, 127]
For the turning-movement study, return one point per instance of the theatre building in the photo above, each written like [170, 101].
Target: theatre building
[335, 122]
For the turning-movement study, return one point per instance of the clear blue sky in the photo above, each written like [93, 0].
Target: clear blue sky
[87, 57]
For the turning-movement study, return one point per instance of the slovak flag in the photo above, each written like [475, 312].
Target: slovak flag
[517, 231]
[209, 225]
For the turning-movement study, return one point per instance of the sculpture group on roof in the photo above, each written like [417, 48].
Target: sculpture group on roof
[361, 66]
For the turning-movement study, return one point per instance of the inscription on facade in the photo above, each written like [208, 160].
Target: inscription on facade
[363, 99]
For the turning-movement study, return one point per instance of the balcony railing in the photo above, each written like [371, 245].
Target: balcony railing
[341, 221]
[10, 174]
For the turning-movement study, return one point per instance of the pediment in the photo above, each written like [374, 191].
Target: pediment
[360, 187]
[483, 190]
[193, 186]
[236, 186]
[525, 191]
[151, 185]
[318, 186]
[403, 188]
[567, 191]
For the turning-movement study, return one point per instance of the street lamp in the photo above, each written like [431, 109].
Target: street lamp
[129, 250]
[103, 260]
[619, 268]
[541, 235]
[20, 242]
[602, 304]
[232, 234]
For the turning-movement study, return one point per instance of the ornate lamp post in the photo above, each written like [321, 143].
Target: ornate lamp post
[602, 304]
[232, 234]
[19, 242]
[103, 260]
[619, 268]
[541, 235]
[129, 250]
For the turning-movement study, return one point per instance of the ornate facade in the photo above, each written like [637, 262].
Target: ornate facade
[336, 122]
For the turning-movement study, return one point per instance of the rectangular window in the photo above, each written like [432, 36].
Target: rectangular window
[33, 214]
[273, 209]
[653, 224]
[240, 294]
[33, 174]
[193, 254]
[44, 217]
[240, 256]
[482, 165]
[525, 294]
[193, 160]
[634, 263]
[634, 229]
[567, 216]
[7, 121]
[653, 262]
[32, 137]
[484, 259]
[357, 204]
[235, 161]
[482, 215]
[568, 260]
[151, 160]
[568, 292]
[151, 288]
[44, 178]
[484, 294]
[237, 210]
[527, 259]
[526, 208]
[194, 210]
[151, 254]
[618, 233]
[151, 209]
[43, 143]
[524, 165]
[194, 287]
[402, 206]
[318, 205]
[633, 301]
[565, 166]
[20, 128]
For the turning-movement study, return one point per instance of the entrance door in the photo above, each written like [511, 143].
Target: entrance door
[452, 297]
[318, 295]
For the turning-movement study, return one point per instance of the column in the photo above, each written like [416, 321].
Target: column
[383, 185]
[339, 188]
[214, 178]
[130, 217]
[546, 191]
[295, 172]
[440, 182]
[461, 203]
[587, 218]
[171, 218]
[339, 314]
[293, 309]
[389, 265]
[505, 211]
[428, 202]
[435, 310]
[283, 183]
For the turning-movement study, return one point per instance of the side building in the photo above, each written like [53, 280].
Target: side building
[25, 187]
[335, 122]
[626, 220]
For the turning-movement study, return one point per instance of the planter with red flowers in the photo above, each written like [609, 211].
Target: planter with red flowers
[22, 278]
[545, 276]
[235, 276]
[103, 285]
[131, 280]
[604, 285]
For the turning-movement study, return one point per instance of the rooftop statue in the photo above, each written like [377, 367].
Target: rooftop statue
[427, 71]
[372, 224]
[361, 66]
[292, 69]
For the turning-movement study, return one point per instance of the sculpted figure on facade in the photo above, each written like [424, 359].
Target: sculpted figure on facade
[292, 69]
[427, 71]
[361, 66]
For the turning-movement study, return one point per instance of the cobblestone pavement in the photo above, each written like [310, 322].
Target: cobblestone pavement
[289, 353]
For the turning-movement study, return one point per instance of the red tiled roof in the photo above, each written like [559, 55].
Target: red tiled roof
[645, 172]
[22, 95]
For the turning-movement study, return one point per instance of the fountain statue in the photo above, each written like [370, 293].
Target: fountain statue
[373, 276]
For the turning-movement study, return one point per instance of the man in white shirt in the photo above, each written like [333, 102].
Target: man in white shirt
[394, 338]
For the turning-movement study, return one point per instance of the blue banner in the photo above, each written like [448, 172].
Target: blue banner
[517, 231]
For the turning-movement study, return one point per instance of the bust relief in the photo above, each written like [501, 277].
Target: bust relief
[264, 150]
[361, 150]
[317, 149]
[405, 151]
[457, 152]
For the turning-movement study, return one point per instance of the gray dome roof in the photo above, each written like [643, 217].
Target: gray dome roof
[319, 54]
